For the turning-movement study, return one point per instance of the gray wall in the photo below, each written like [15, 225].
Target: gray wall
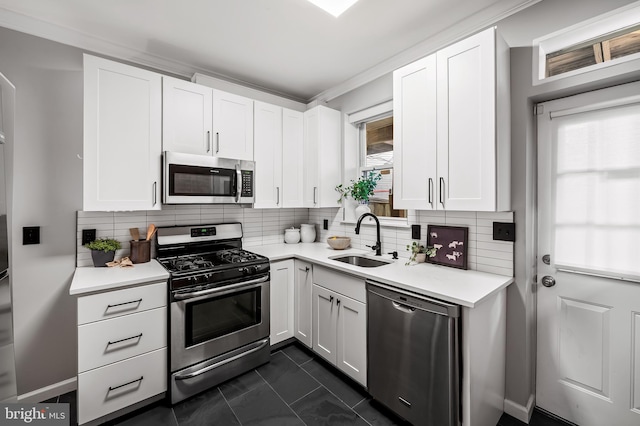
[47, 190]
[519, 31]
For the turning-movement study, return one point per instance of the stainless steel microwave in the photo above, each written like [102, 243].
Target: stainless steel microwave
[201, 179]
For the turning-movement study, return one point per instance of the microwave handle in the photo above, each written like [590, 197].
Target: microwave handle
[238, 183]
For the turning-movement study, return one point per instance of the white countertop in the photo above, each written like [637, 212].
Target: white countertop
[465, 288]
[90, 279]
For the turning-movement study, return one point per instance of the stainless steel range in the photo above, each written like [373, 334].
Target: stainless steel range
[219, 306]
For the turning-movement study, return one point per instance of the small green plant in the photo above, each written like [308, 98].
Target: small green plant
[416, 248]
[361, 189]
[104, 244]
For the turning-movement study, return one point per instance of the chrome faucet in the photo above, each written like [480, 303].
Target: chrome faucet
[378, 246]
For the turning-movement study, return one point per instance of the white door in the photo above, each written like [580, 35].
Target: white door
[268, 155]
[352, 338]
[588, 294]
[281, 301]
[414, 135]
[325, 315]
[292, 158]
[186, 117]
[302, 303]
[466, 124]
[232, 126]
[122, 136]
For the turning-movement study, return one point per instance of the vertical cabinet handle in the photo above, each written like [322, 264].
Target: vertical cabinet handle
[278, 196]
[217, 142]
[431, 191]
[208, 141]
[331, 299]
[306, 269]
[155, 196]
[338, 302]
[315, 192]
[442, 191]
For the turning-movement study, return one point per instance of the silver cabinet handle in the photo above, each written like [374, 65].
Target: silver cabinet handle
[124, 340]
[431, 191]
[155, 196]
[217, 142]
[315, 192]
[278, 196]
[442, 191]
[125, 384]
[208, 141]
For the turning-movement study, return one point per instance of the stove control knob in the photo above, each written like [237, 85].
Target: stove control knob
[248, 270]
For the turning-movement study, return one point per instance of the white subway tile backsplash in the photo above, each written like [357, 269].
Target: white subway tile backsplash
[266, 226]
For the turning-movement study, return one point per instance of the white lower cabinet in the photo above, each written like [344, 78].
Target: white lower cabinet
[340, 322]
[281, 300]
[122, 349]
[302, 293]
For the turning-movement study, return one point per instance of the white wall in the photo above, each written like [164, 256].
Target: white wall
[47, 190]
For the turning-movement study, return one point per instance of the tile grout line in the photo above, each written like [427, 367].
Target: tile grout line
[281, 399]
[243, 394]
[306, 394]
[228, 405]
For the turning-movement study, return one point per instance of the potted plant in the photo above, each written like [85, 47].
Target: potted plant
[419, 252]
[103, 250]
[360, 191]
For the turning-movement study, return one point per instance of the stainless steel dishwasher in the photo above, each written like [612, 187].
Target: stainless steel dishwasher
[413, 355]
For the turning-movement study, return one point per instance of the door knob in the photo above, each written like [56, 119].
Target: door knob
[548, 281]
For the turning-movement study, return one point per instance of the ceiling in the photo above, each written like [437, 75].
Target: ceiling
[289, 47]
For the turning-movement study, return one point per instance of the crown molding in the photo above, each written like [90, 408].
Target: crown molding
[92, 44]
[462, 29]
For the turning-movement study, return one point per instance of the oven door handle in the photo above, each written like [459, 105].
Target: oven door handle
[220, 290]
[261, 345]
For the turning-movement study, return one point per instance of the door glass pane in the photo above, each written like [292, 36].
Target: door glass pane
[211, 318]
[597, 191]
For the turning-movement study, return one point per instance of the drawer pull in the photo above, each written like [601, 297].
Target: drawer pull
[125, 384]
[124, 303]
[124, 340]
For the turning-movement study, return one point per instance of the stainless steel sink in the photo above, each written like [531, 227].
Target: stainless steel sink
[365, 262]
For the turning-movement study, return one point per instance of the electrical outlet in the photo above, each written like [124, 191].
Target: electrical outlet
[504, 231]
[415, 232]
[88, 235]
[325, 224]
[30, 235]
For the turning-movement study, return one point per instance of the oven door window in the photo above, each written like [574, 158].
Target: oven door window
[212, 318]
[205, 181]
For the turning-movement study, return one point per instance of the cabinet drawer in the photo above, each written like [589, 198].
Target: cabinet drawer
[116, 303]
[116, 386]
[345, 284]
[104, 342]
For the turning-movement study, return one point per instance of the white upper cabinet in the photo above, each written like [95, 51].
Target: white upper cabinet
[322, 157]
[186, 117]
[122, 136]
[414, 138]
[470, 137]
[292, 158]
[232, 126]
[268, 155]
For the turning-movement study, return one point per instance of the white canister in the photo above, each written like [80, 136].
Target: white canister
[292, 235]
[308, 232]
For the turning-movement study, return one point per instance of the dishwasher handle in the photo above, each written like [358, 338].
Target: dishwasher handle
[403, 308]
[406, 300]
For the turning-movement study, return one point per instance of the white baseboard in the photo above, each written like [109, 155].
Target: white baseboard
[50, 391]
[518, 411]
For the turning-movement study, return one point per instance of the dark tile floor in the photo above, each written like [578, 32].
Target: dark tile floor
[295, 388]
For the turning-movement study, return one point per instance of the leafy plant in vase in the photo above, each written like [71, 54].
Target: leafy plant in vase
[103, 250]
[419, 252]
[360, 190]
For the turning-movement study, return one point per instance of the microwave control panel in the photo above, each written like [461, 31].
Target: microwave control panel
[247, 183]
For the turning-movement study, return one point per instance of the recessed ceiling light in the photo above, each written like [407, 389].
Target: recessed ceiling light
[334, 7]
